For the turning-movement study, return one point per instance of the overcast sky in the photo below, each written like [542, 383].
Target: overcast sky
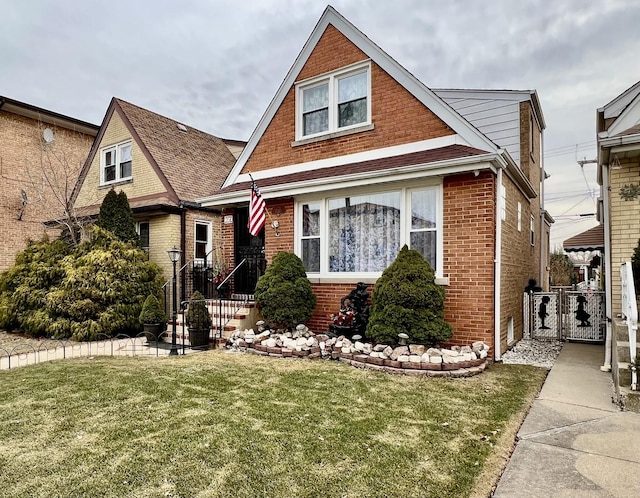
[216, 64]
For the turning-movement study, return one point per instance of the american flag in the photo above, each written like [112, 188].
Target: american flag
[257, 208]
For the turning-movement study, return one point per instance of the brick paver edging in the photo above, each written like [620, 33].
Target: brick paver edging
[422, 369]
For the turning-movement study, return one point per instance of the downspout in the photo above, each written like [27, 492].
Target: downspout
[543, 260]
[497, 264]
[183, 248]
[607, 267]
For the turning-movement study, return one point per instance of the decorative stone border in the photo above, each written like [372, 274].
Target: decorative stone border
[413, 360]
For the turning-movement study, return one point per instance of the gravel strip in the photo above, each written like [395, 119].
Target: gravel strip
[533, 352]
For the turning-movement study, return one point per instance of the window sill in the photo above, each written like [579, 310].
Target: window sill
[444, 281]
[335, 134]
[116, 183]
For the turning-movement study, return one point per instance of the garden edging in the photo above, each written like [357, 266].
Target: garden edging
[413, 360]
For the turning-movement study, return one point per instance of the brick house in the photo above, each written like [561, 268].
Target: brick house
[41, 154]
[618, 137]
[355, 157]
[163, 166]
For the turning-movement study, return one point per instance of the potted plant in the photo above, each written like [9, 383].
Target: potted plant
[198, 321]
[152, 318]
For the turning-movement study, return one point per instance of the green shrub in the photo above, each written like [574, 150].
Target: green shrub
[152, 312]
[97, 288]
[197, 314]
[284, 294]
[407, 299]
[116, 217]
[24, 286]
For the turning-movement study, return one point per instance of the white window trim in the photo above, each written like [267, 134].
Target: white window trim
[138, 231]
[503, 202]
[332, 80]
[115, 147]
[405, 228]
[519, 216]
[209, 245]
[532, 228]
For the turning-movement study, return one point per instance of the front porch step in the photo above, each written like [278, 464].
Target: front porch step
[624, 350]
[245, 317]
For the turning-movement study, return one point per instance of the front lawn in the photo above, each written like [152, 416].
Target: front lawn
[220, 424]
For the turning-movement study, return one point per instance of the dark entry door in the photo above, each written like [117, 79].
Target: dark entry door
[250, 248]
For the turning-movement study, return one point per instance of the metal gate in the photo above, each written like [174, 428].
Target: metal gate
[564, 314]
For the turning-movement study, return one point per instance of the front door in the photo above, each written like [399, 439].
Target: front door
[250, 248]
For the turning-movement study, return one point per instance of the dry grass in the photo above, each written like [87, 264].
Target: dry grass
[219, 424]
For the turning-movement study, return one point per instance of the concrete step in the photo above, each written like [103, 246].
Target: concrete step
[624, 352]
[624, 374]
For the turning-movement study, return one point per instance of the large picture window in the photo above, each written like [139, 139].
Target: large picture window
[334, 102]
[363, 233]
[116, 163]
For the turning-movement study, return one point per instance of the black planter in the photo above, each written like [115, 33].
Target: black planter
[198, 337]
[153, 330]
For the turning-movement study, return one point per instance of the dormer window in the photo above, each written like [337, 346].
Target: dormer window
[334, 102]
[115, 163]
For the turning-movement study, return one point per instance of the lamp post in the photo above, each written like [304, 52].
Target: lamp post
[174, 256]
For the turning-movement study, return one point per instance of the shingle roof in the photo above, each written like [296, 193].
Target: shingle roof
[194, 162]
[387, 163]
[588, 240]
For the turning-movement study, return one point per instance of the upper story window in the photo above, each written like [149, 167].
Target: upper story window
[115, 163]
[334, 102]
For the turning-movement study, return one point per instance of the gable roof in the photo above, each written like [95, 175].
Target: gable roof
[190, 162]
[427, 97]
[615, 107]
[589, 240]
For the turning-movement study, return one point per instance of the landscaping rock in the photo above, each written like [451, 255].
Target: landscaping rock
[415, 358]
[400, 350]
[416, 349]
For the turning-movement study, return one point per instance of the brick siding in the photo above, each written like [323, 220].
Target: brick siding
[625, 224]
[398, 117]
[23, 157]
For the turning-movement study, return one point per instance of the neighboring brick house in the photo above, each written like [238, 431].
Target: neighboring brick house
[41, 154]
[163, 166]
[618, 134]
[356, 157]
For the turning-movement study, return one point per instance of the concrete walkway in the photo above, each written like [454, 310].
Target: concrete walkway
[26, 354]
[575, 442]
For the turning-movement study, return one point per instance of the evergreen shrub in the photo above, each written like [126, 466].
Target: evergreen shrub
[116, 217]
[152, 311]
[198, 317]
[284, 294]
[635, 265]
[407, 299]
[95, 289]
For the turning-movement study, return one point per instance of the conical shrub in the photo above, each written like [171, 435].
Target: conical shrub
[407, 299]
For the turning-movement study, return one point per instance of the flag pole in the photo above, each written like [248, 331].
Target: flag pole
[275, 224]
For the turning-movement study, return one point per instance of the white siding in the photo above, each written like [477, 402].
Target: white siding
[495, 114]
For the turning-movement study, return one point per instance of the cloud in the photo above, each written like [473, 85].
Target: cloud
[216, 65]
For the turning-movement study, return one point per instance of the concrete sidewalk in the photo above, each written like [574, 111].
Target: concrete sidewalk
[575, 442]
